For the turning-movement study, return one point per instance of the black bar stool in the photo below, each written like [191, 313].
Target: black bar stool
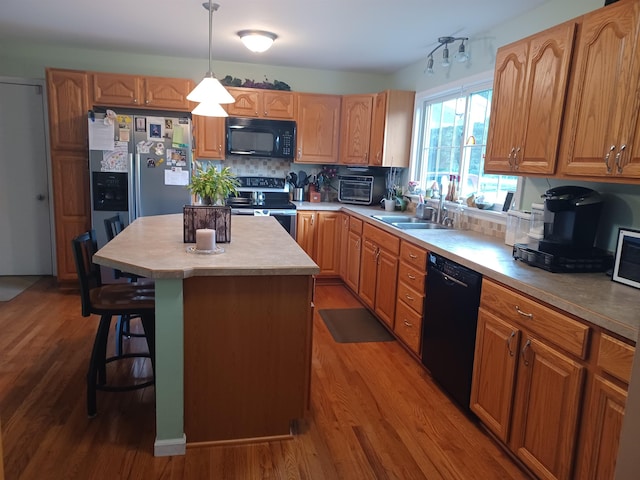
[113, 226]
[122, 299]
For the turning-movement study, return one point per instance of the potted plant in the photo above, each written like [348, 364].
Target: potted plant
[213, 185]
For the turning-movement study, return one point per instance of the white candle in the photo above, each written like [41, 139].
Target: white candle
[205, 239]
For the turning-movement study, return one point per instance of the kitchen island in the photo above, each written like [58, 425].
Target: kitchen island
[233, 330]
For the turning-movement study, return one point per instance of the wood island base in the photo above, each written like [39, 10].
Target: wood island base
[247, 356]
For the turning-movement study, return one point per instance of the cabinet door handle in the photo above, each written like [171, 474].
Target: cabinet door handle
[411, 255]
[411, 277]
[511, 352]
[618, 157]
[515, 159]
[606, 158]
[299, 153]
[147, 102]
[409, 297]
[524, 314]
[135, 100]
[313, 217]
[407, 323]
[510, 157]
[524, 352]
[358, 245]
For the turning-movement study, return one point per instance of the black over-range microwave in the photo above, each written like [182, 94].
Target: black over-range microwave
[259, 137]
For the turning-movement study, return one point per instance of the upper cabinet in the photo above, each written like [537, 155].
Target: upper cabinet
[318, 124]
[529, 89]
[602, 127]
[391, 124]
[251, 102]
[114, 89]
[68, 95]
[209, 135]
[355, 129]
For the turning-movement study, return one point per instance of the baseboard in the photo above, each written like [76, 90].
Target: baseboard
[169, 447]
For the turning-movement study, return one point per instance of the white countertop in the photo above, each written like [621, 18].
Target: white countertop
[153, 247]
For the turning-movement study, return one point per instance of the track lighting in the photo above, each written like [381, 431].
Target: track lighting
[461, 56]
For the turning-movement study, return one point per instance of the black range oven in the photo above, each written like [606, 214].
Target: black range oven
[262, 196]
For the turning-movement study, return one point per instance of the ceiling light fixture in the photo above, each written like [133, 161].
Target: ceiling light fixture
[461, 56]
[210, 91]
[257, 41]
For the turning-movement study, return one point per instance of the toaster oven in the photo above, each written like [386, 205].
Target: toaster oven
[360, 189]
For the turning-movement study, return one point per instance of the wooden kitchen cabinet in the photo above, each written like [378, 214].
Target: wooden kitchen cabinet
[355, 129]
[391, 126]
[354, 251]
[116, 89]
[527, 388]
[530, 84]
[410, 295]
[494, 373]
[604, 409]
[68, 98]
[344, 245]
[379, 272]
[318, 128]
[209, 136]
[602, 126]
[257, 103]
[318, 233]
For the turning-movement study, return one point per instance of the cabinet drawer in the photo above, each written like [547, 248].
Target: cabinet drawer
[615, 357]
[355, 225]
[412, 298]
[382, 239]
[412, 277]
[556, 327]
[408, 326]
[413, 255]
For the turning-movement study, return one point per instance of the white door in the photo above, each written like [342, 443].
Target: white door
[25, 232]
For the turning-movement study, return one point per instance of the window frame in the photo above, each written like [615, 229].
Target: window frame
[444, 92]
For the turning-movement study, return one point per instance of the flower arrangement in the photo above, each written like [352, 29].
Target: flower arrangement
[413, 186]
[326, 175]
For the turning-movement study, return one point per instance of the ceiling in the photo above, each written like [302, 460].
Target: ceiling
[351, 35]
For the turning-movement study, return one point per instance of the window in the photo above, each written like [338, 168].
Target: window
[452, 128]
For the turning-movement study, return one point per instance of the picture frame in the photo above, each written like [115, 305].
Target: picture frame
[626, 267]
[141, 124]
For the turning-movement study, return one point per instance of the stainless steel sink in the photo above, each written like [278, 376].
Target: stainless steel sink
[419, 225]
[406, 222]
[398, 219]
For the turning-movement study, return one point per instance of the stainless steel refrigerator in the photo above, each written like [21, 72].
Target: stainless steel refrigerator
[140, 165]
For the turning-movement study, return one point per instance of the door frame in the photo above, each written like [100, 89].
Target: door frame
[40, 82]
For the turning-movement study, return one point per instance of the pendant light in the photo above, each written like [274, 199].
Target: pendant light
[210, 90]
[461, 56]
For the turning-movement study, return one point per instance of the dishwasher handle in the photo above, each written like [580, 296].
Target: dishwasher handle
[448, 278]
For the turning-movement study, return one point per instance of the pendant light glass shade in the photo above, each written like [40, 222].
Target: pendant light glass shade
[210, 90]
[209, 109]
[257, 41]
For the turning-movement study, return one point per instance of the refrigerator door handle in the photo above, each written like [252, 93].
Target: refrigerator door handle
[137, 187]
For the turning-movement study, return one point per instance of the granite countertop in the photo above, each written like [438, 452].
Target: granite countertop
[590, 296]
[153, 247]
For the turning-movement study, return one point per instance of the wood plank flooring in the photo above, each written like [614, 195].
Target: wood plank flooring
[375, 412]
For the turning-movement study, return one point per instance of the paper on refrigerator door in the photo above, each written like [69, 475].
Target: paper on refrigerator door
[101, 134]
[176, 176]
[115, 160]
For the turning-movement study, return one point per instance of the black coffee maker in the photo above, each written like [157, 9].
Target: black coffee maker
[571, 216]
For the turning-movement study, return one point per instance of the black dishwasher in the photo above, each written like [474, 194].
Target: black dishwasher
[449, 325]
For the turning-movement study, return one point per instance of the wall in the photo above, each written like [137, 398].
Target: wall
[30, 60]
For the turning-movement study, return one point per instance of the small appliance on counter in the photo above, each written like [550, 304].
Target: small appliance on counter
[571, 216]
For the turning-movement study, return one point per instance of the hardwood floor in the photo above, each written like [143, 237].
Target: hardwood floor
[375, 412]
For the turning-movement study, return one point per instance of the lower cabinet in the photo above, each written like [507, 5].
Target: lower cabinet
[379, 271]
[353, 254]
[318, 233]
[550, 387]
